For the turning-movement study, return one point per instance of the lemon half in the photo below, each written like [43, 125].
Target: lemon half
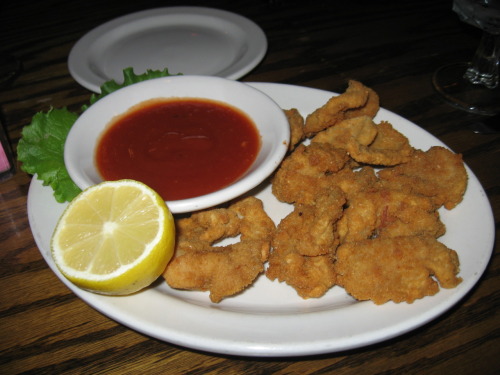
[116, 237]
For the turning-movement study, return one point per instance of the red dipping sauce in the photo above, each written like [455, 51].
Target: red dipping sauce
[182, 148]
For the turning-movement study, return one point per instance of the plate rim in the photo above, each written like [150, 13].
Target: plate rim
[79, 68]
[254, 348]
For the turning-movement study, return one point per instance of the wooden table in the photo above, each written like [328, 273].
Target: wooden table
[393, 47]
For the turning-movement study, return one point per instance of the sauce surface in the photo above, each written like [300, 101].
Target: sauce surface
[182, 148]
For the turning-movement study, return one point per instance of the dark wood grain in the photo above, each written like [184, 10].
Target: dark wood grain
[394, 47]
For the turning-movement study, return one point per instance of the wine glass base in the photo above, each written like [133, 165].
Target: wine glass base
[457, 91]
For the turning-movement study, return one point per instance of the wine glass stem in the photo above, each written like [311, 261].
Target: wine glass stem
[484, 66]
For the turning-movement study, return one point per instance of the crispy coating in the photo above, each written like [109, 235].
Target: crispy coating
[202, 229]
[370, 108]
[309, 228]
[367, 142]
[311, 277]
[389, 148]
[401, 269]
[387, 213]
[303, 245]
[223, 270]
[353, 181]
[437, 173]
[358, 130]
[334, 110]
[296, 122]
[307, 173]
[255, 224]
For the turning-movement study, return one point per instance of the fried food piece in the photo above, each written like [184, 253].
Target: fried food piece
[437, 173]
[223, 270]
[307, 172]
[309, 228]
[354, 181]
[367, 142]
[303, 246]
[202, 229]
[255, 223]
[401, 269]
[296, 122]
[370, 108]
[334, 110]
[388, 213]
[311, 277]
[389, 148]
[359, 130]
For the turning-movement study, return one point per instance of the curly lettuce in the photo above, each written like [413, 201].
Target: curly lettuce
[41, 151]
[129, 78]
[41, 147]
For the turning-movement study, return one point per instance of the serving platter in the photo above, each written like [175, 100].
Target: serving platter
[188, 40]
[270, 319]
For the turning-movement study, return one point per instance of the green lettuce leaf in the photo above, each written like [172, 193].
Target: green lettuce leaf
[129, 78]
[41, 151]
[41, 147]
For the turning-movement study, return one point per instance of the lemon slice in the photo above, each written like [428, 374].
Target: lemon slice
[116, 237]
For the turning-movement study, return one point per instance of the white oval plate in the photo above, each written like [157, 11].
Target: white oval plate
[187, 40]
[270, 319]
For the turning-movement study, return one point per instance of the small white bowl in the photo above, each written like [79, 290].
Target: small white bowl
[271, 122]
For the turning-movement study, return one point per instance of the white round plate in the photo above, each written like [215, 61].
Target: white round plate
[187, 40]
[270, 319]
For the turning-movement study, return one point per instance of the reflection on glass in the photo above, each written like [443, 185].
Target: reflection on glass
[474, 86]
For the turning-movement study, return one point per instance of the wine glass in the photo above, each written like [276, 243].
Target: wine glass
[474, 86]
